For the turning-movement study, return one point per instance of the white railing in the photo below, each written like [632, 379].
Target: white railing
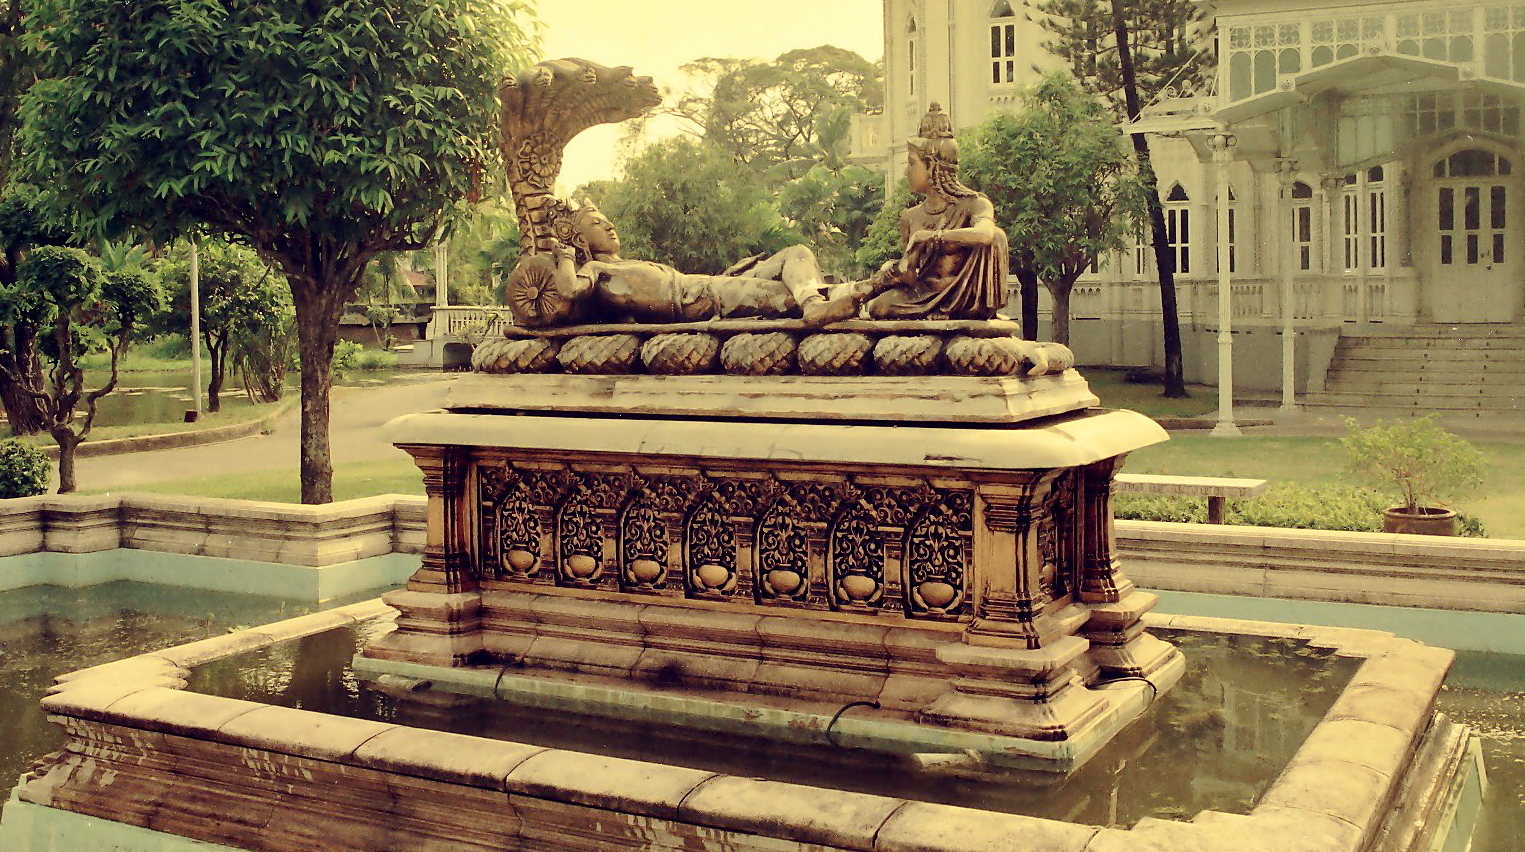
[460, 323]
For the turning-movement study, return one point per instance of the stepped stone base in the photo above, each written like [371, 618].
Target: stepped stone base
[941, 547]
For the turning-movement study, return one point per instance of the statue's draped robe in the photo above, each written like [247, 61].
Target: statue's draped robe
[975, 288]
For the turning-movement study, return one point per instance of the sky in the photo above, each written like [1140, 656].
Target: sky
[655, 37]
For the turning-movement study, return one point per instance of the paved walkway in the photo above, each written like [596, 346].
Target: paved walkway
[358, 414]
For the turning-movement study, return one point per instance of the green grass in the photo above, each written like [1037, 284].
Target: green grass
[1112, 387]
[1318, 461]
[358, 479]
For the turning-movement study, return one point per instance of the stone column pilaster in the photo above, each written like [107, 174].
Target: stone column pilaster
[439, 612]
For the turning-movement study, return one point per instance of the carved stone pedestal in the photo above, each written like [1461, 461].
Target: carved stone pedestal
[802, 542]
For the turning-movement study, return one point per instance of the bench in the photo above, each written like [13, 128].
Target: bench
[1215, 488]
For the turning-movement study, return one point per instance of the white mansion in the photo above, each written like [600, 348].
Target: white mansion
[1371, 154]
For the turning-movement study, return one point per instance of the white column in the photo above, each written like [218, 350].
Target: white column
[441, 275]
[196, 388]
[1223, 154]
[1286, 172]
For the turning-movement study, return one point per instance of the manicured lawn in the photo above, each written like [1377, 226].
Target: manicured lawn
[359, 479]
[1112, 387]
[1318, 461]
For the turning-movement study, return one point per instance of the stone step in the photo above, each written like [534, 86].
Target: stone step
[1397, 387]
[1419, 401]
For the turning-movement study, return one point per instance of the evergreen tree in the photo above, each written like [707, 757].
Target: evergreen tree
[1129, 51]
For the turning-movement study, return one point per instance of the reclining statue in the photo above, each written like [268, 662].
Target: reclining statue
[954, 256]
[584, 280]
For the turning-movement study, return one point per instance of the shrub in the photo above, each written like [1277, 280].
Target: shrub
[23, 469]
[1308, 507]
[346, 357]
[1415, 461]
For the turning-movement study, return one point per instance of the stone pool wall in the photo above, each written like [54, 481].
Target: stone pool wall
[142, 752]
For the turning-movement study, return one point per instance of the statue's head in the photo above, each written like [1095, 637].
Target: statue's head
[935, 150]
[585, 228]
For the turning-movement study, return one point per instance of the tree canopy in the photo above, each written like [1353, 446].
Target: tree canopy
[317, 133]
[1060, 182]
[784, 115]
[686, 204]
[1168, 40]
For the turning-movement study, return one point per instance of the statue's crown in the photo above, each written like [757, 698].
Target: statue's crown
[934, 139]
[935, 124]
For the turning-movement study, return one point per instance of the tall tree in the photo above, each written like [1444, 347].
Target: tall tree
[1060, 184]
[684, 202]
[785, 115]
[235, 299]
[75, 307]
[320, 134]
[1129, 51]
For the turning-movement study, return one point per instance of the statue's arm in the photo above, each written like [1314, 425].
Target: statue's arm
[981, 230]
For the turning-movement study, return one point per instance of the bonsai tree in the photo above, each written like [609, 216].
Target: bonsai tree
[1417, 461]
[76, 308]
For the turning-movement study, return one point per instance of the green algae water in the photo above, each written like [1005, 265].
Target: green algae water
[1215, 741]
[46, 631]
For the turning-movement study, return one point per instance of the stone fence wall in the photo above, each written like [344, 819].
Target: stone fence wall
[282, 533]
[1476, 574]
[1486, 575]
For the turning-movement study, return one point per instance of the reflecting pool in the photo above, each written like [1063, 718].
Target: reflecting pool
[46, 631]
[1216, 741]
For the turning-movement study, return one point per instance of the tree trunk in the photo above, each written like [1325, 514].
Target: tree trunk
[67, 441]
[20, 408]
[20, 361]
[1027, 292]
[1060, 292]
[217, 357]
[1175, 384]
[315, 346]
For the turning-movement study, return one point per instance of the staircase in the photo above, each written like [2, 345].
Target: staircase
[1456, 370]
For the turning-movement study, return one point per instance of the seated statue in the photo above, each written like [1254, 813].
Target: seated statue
[584, 279]
[955, 256]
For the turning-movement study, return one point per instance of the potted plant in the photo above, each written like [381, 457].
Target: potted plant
[1419, 462]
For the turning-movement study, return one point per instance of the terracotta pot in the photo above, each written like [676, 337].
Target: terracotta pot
[1425, 520]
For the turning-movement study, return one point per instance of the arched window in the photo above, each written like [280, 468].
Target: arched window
[912, 48]
[1302, 224]
[1363, 204]
[1178, 227]
[1003, 44]
[1473, 162]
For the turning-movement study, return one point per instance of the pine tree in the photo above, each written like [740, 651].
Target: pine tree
[1129, 52]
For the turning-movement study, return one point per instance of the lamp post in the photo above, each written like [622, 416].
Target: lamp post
[1222, 145]
[1286, 172]
[195, 413]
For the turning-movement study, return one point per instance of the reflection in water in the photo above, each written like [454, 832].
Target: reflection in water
[46, 631]
[1487, 693]
[1216, 741]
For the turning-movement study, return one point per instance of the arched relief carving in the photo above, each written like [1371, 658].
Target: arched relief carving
[580, 538]
[935, 559]
[855, 556]
[644, 544]
[781, 553]
[709, 550]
